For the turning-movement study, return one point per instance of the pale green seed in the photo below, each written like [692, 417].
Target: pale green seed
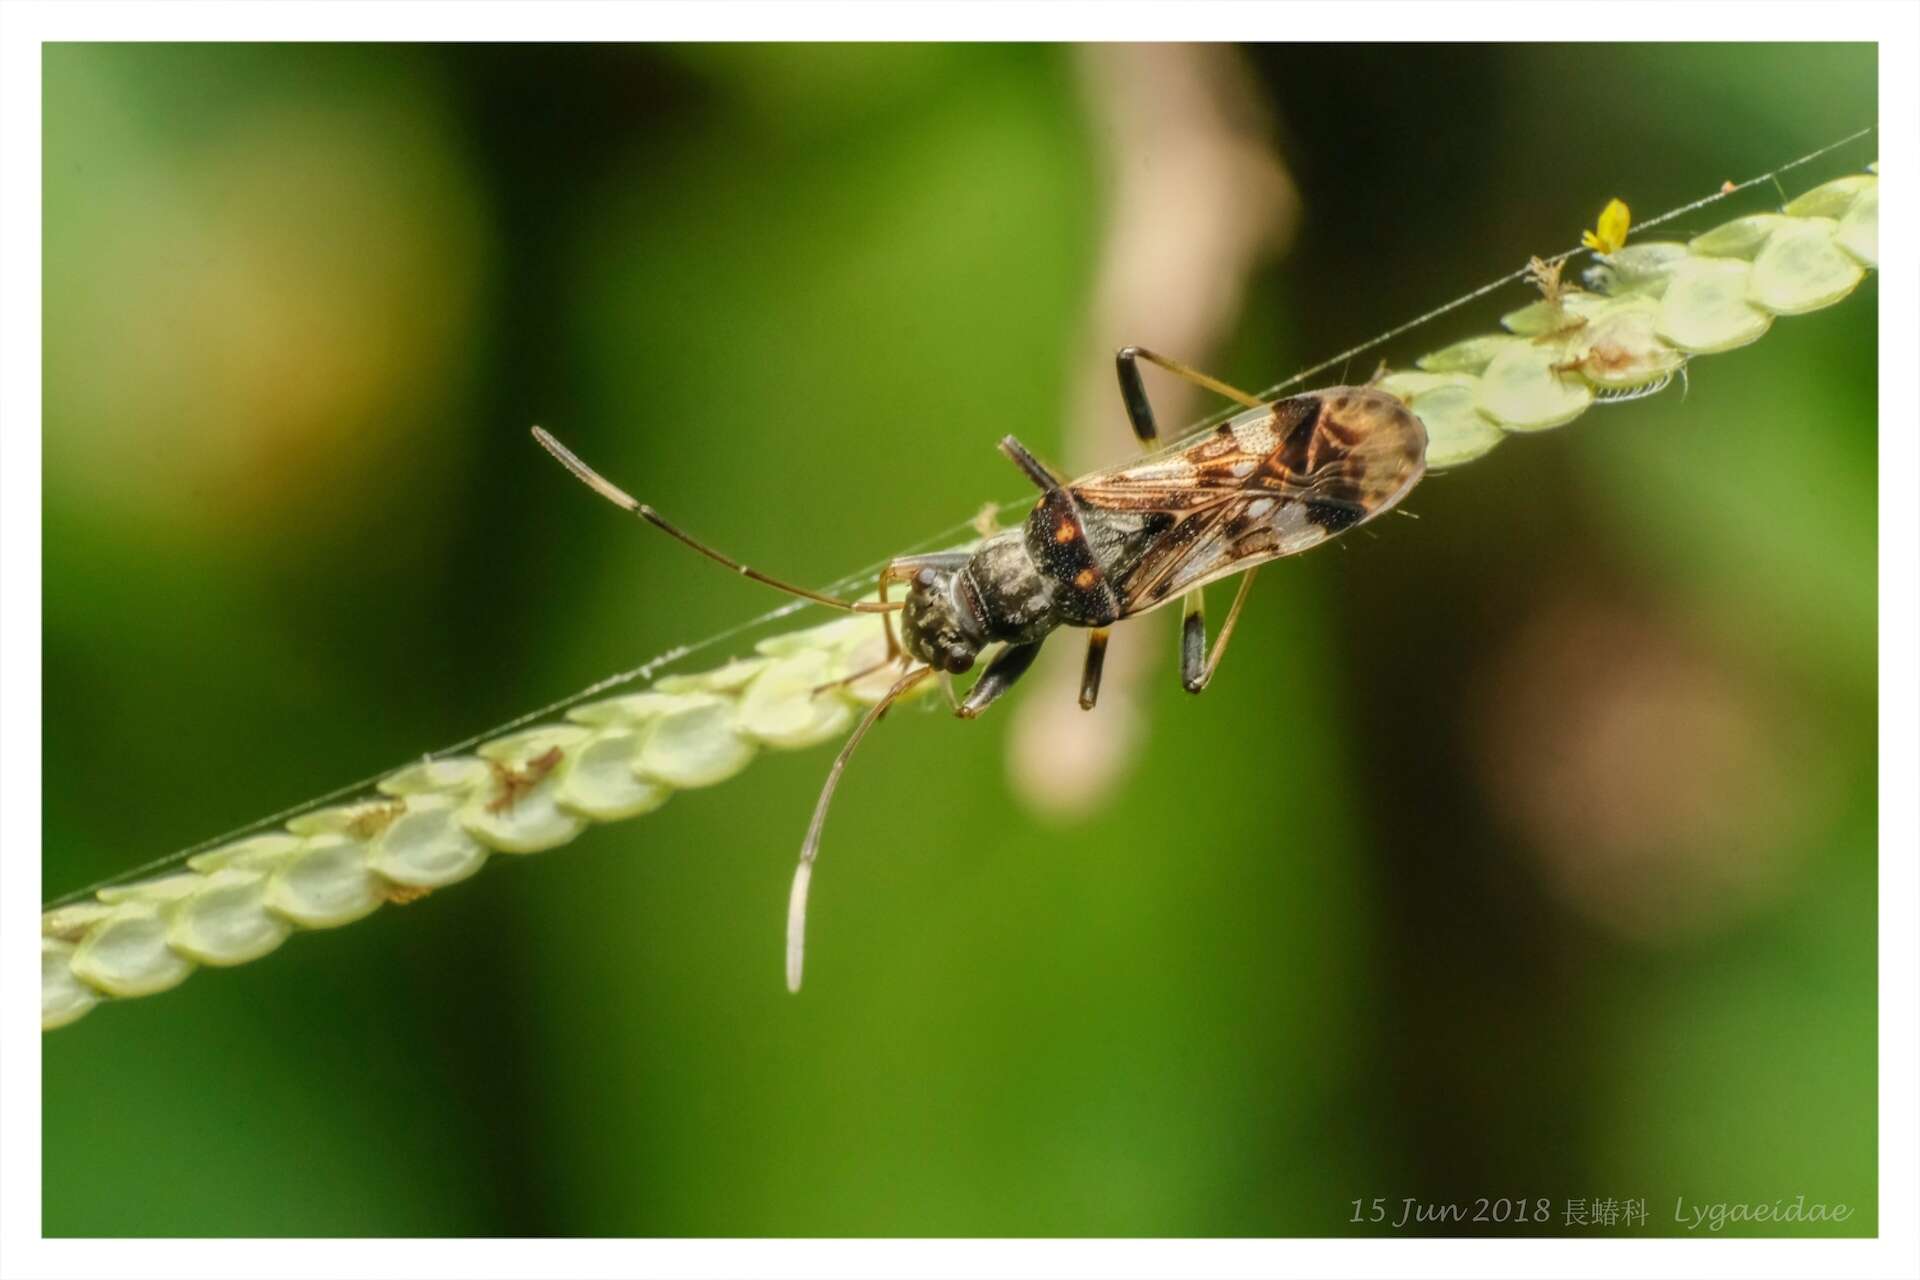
[127, 954]
[1645, 268]
[1741, 238]
[600, 782]
[449, 776]
[635, 709]
[227, 922]
[63, 997]
[518, 750]
[532, 821]
[325, 885]
[426, 847]
[256, 851]
[1409, 383]
[1831, 199]
[1469, 356]
[734, 675]
[70, 922]
[1457, 431]
[1621, 349]
[1706, 309]
[157, 892]
[1859, 232]
[1801, 269]
[694, 747]
[1522, 391]
[780, 708]
[1537, 317]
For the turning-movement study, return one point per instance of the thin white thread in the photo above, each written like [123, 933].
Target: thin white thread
[864, 576]
[1521, 274]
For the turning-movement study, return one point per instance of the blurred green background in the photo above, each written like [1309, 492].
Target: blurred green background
[1527, 850]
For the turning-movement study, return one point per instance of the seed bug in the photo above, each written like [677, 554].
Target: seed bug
[1275, 480]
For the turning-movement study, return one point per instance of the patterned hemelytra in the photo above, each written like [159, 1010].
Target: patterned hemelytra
[1272, 482]
[1275, 480]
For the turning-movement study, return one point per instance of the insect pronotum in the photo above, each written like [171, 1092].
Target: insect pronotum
[1275, 480]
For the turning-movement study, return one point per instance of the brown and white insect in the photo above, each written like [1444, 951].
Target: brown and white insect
[1276, 480]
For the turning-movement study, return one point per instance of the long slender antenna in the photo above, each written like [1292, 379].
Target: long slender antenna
[625, 501]
[810, 848]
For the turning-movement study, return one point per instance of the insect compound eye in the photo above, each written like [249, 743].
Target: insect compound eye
[924, 578]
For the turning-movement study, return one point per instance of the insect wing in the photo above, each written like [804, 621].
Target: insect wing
[1271, 482]
[1203, 470]
[1213, 542]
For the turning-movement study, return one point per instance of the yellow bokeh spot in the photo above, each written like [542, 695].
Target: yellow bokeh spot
[247, 327]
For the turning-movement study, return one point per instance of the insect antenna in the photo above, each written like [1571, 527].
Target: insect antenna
[810, 847]
[626, 502]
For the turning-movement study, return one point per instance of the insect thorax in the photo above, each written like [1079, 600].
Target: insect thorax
[1081, 551]
[1016, 602]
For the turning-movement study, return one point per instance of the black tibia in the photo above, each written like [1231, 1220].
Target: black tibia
[1030, 466]
[1196, 668]
[1196, 664]
[1133, 391]
[1096, 662]
[1011, 663]
[1193, 643]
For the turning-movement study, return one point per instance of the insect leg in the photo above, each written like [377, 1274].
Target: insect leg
[1133, 391]
[1030, 466]
[1193, 635]
[1195, 671]
[1007, 666]
[1090, 674]
[857, 676]
[886, 622]
[903, 568]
